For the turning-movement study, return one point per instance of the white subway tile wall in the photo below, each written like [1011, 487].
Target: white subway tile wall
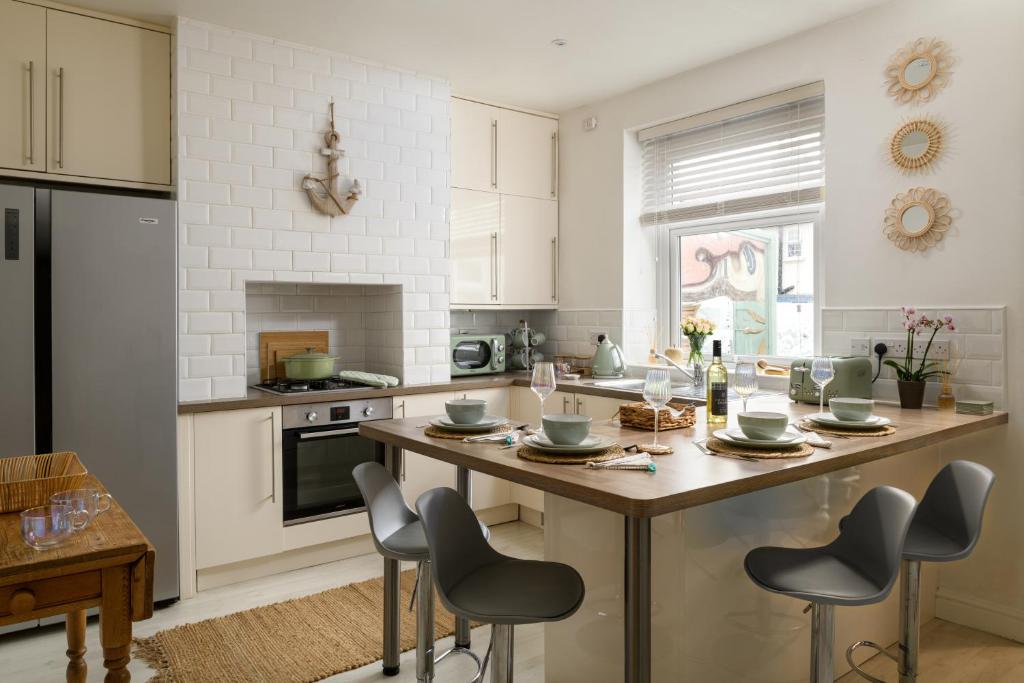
[979, 333]
[251, 116]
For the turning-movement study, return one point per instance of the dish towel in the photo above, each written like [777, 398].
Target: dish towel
[370, 379]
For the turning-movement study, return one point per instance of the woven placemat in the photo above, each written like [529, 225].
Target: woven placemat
[439, 433]
[533, 455]
[719, 446]
[809, 426]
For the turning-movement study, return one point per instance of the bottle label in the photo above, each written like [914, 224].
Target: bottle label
[720, 398]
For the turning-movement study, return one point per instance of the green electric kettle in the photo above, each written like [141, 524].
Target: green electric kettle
[609, 361]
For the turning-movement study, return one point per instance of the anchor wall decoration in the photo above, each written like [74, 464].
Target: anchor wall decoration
[325, 193]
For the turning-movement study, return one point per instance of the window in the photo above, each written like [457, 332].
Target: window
[736, 197]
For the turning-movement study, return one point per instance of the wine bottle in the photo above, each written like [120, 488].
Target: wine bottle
[718, 387]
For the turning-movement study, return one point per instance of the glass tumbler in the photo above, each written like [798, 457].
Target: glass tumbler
[49, 525]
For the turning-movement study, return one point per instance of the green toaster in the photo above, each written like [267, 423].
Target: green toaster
[852, 380]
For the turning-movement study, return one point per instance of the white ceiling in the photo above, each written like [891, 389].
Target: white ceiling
[501, 50]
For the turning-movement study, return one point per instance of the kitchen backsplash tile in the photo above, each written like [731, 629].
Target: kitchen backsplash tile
[251, 115]
[979, 332]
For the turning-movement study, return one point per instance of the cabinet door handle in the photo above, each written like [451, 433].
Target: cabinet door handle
[31, 112]
[565, 405]
[60, 117]
[494, 153]
[273, 468]
[554, 165]
[401, 467]
[494, 266]
[579, 406]
[554, 269]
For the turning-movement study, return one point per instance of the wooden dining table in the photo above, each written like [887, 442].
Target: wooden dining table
[686, 479]
[108, 565]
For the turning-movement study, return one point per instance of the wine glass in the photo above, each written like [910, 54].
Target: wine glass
[822, 373]
[543, 382]
[657, 392]
[745, 381]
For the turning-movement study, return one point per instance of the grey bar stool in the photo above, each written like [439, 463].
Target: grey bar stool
[858, 568]
[398, 535]
[945, 528]
[479, 583]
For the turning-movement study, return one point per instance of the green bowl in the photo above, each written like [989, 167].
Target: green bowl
[851, 409]
[465, 411]
[766, 426]
[566, 430]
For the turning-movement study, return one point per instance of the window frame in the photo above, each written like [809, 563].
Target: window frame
[668, 267]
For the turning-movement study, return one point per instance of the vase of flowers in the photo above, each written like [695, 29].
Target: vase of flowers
[696, 330]
[910, 379]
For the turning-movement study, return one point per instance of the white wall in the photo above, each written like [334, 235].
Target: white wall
[976, 265]
[251, 116]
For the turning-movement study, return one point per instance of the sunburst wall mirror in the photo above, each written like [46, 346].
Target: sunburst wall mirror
[916, 144]
[919, 71]
[918, 219]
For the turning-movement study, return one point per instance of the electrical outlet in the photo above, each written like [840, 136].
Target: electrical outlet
[594, 334]
[897, 346]
[860, 346]
[938, 351]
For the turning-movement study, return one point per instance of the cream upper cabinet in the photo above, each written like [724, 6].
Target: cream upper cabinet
[238, 492]
[109, 100]
[474, 152]
[527, 155]
[22, 86]
[529, 251]
[474, 247]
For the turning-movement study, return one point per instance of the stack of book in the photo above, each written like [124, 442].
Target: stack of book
[974, 407]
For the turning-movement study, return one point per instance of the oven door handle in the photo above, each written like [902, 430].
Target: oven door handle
[330, 432]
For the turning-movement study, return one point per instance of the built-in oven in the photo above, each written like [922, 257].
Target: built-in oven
[320, 447]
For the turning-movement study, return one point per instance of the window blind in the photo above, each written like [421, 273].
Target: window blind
[767, 158]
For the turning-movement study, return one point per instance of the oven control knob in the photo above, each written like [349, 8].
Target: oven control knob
[500, 348]
[311, 416]
[368, 411]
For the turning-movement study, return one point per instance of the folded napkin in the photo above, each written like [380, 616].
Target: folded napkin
[817, 440]
[370, 379]
[640, 461]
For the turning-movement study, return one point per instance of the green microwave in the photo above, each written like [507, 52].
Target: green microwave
[852, 380]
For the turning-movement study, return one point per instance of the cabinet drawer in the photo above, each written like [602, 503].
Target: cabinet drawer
[24, 598]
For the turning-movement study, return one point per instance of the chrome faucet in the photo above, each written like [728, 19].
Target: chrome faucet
[686, 373]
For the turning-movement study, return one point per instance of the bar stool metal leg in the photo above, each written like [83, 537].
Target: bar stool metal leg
[392, 586]
[464, 486]
[424, 623]
[638, 600]
[910, 620]
[502, 636]
[822, 636]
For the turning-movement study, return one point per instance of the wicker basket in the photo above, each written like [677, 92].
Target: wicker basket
[29, 480]
[640, 416]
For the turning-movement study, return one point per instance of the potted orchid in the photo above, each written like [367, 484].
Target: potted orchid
[696, 330]
[911, 380]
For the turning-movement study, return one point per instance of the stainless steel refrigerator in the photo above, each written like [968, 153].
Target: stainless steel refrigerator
[89, 314]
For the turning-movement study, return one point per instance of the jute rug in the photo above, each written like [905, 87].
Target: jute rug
[298, 641]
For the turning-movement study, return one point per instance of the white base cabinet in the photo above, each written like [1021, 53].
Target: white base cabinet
[237, 484]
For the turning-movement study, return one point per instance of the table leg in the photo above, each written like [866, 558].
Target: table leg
[638, 600]
[392, 582]
[116, 623]
[74, 624]
[464, 486]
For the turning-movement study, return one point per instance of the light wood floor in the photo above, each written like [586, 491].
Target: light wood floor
[951, 653]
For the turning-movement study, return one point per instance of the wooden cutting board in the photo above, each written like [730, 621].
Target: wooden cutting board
[274, 347]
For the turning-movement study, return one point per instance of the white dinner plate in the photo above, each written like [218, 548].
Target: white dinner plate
[592, 444]
[830, 420]
[787, 436]
[489, 422]
[746, 442]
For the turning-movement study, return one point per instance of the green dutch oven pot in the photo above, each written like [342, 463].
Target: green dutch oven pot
[309, 365]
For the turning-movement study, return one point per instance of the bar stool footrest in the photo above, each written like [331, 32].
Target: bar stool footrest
[859, 671]
[459, 650]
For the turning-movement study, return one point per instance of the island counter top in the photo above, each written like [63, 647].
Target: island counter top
[688, 477]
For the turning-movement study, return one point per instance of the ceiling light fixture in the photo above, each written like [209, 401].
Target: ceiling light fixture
[559, 42]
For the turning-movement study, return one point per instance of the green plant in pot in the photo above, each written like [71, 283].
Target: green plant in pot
[911, 380]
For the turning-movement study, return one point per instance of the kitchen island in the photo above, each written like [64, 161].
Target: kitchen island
[661, 553]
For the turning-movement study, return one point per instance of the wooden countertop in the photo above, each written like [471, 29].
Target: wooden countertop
[688, 477]
[255, 398]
